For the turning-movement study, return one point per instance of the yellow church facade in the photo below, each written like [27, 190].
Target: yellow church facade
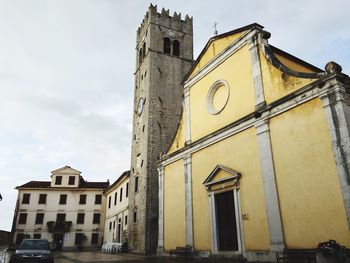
[261, 158]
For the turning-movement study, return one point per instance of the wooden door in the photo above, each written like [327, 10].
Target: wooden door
[226, 222]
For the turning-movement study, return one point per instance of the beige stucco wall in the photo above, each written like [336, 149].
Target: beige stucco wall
[236, 71]
[308, 185]
[65, 173]
[174, 206]
[278, 84]
[239, 152]
[71, 209]
[214, 49]
[116, 213]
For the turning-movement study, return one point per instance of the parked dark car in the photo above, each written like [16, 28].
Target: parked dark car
[34, 251]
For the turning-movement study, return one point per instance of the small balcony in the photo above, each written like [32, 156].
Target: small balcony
[59, 226]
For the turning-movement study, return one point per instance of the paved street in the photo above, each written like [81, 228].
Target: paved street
[96, 257]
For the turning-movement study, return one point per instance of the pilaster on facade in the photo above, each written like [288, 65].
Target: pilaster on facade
[269, 182]
[336, 104]
[161, 209]
[256, 72]
[213, 224]
[188, 201]
[187, 116]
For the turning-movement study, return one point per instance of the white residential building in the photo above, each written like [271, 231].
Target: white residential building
[117, 203]
[68, 210]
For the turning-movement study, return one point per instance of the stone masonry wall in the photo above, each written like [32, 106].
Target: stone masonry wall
[158, 80]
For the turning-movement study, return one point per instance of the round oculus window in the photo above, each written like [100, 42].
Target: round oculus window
[217, 97]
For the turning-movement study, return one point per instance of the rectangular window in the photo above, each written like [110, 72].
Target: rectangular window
[94, 238]
[63, 199]
[136, 184]
[80, 218]
[121, 194]
[37, 236]
[39, 219]
[79, 238]
[82, 200]
[113, 224]
[127, 190]
[58, 180]
[42, 199]
[109, 201]
[126, 220]
[110, 225]
[96, 219]
[60, 217]
[26, 199]
[22, 218]
[135, 217]
[98, 199]
[71, 180]
[115, 198]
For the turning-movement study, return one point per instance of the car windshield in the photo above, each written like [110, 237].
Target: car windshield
[34, 245]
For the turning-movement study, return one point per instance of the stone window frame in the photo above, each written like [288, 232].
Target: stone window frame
[211, 93]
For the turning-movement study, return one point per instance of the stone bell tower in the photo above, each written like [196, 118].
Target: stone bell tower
[164, 55]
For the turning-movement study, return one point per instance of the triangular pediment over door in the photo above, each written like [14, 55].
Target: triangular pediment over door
[222, 177]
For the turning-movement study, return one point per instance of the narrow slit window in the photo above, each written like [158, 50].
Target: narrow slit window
[144, 50]
[136, 184]
[140, 56]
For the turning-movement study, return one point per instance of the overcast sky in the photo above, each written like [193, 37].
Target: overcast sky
[66, 74]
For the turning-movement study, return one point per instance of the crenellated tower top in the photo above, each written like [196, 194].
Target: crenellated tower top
[164, 18]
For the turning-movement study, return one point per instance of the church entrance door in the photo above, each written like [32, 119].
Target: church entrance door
[226, 221]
